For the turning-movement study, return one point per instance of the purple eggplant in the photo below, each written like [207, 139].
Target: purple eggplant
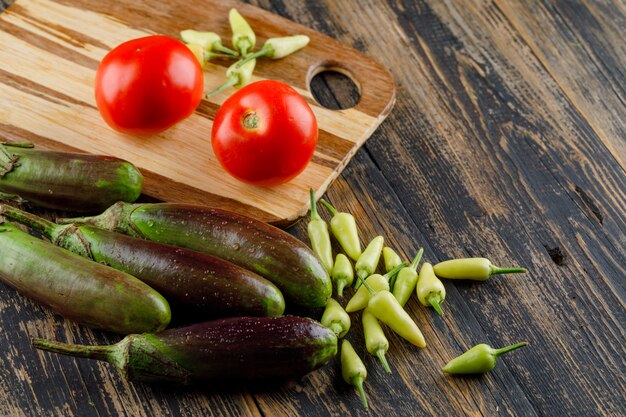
[233, 348]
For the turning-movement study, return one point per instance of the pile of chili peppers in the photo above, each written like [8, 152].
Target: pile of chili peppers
[208, 45]
[383, 297]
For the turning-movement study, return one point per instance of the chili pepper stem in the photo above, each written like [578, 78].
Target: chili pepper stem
[330, 208]
[227, 51]
[231, 81]
[381, 355]
[267, 49]
[11, 197]
[357, 381]
[434, 300]
[417, 259]
[314, 214]
[336, 328]
[501, 351]
[367, 287]
[340, 286]
[393, 274]
[497, 270]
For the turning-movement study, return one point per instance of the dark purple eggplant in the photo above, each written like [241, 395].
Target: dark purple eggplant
[77, 288]
[256, 246]
[233, 348]
[198, 286]
[66, 181]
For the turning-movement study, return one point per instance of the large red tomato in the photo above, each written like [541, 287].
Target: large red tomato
[265, 133]
[146, 85]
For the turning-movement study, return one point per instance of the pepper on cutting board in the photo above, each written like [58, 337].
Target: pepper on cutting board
[479, 359]
[244, 38]
[406, 280]
[276, 48]
[477, 269]
[236, 77]
[368, 261]
[352, 369]
[319, 236]
[343, 226]
[336, 318]
[375, 282]
[430, 290]
[342, 273]
[210, 42]
[376, 342]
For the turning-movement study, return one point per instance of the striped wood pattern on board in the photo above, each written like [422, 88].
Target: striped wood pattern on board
[49, 51]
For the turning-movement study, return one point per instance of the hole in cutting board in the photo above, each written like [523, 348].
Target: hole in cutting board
[333, 88]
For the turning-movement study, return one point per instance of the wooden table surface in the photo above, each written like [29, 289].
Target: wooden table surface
[507, 141]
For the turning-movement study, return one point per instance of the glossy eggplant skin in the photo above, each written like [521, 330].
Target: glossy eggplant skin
[69, 181]
[197, 285]
[248, 347]
[78, 289]
[256, 246]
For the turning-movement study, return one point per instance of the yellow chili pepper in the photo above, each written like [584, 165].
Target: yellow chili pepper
[392, 259]
[368, 261]
[345, 231]
[209, 41]
[319, 236]
[244, 38]
[375, 340]
[342, 273]
[430, 290]
[276, 48]
[405, 282]
[386, 308]
[352, 369]
[374, 282]
[478, 269]
[336, 318]
[236, 77]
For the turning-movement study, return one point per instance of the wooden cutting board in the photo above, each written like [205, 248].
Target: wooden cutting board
[49, 51]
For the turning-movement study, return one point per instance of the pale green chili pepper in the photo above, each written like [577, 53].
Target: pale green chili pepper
[375, 341]
[430, 290]
[478, 360]
[345, 231]
[209, 41]
[368, 261]
[352, 369]
[386, 308]
[276, 48]
[374, 282]
[342, 273]
[236, 77]
[336, 318]
[319, 236]
[404, 284]
[244, 38]
[392, 259]
[477, 269]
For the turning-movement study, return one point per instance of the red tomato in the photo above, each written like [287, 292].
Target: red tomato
[265, 133]
[147, 85]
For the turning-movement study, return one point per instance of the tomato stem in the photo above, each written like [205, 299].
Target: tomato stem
[250, 120]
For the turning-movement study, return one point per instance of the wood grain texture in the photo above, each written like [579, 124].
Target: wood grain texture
[49, 51]
[501, 144]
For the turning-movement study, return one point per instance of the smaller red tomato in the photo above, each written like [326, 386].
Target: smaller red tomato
[265, 133]
[147, 85]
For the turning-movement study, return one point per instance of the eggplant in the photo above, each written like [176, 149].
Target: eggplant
[232, 348]
[197, 285]
[66, 181]
[251, 244]
[79, 289]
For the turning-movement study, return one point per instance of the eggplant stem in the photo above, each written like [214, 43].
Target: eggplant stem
[42, 226]
[101, 353]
